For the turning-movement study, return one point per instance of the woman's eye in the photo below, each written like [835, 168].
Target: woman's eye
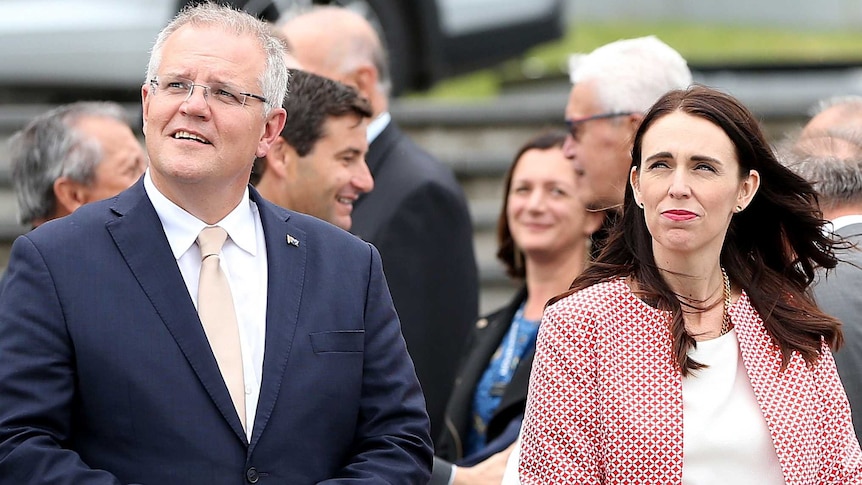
[655, 165]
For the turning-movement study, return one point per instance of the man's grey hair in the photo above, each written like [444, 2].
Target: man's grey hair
[845, 102]
[630, 75]
[273, 81]
[49, 147]
[833, 163]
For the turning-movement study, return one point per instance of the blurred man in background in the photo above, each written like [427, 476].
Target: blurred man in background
[612, 88]
[72, 155]
[829, 154]
[317, 164]
[416, 216]
[839, 112]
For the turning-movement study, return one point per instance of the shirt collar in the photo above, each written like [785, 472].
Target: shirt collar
[377, 125]
[845, 221]
[182, 228]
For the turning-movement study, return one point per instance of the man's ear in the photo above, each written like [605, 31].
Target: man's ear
[285, 161]
[271, 131]
[146, 94]
[365, 78]
[748, 188]
[70, 195]
[634, 121]
[274, 160]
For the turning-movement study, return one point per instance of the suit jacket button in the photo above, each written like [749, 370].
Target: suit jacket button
[482, 323]
[251, 475]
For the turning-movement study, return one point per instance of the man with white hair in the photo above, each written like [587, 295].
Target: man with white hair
[613, 86]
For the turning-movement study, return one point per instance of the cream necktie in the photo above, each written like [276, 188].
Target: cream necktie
[218, 316]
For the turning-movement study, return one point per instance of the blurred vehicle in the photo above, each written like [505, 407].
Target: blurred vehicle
[104, 44]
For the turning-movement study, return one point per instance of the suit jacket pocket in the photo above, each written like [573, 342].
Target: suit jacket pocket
[337, 341]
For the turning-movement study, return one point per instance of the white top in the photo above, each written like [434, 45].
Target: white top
[510, 476]
[243, 260]
[726, 439]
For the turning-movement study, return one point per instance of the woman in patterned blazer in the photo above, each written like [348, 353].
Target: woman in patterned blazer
[692, 352]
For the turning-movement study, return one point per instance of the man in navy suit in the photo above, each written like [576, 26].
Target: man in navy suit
[108, 374]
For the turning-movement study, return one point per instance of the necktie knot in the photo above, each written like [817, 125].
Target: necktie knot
[211, 239]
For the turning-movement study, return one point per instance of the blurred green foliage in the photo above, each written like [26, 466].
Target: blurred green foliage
[701, 45]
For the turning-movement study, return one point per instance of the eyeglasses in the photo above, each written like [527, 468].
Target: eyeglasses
[177, 87]
[578, 122]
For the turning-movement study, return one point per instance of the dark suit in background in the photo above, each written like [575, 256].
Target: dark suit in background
[840, 295]
[106, 375]
[505, 423]
[417, 217]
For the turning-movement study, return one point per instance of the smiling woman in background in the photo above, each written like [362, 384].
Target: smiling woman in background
[691, 351]
[543, 235]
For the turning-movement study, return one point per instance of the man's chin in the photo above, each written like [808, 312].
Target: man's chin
[343, 222]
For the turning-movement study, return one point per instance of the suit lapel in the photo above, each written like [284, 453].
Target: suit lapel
[286, 252]
[138, 234]
[489, 335]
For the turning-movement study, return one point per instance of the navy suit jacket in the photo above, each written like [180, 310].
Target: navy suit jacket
[106, 375]
[417, 217]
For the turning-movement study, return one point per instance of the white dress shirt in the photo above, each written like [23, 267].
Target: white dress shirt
[377, 125]
[243, 260]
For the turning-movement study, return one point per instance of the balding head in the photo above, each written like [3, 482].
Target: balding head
[841, 113]
[340, 44]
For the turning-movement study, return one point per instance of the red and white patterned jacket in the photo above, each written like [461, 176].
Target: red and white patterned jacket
[605, 401]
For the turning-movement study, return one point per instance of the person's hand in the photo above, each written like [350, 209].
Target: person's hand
[488, 472]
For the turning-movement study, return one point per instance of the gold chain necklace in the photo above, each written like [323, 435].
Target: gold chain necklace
[725, 324]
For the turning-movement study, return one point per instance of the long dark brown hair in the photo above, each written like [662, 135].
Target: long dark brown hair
[772, 248]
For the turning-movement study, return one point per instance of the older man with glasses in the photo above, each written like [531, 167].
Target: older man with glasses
[189, 331]
[613, 87]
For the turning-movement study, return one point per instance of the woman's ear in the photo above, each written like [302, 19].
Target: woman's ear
[634, 181]
[748, 189]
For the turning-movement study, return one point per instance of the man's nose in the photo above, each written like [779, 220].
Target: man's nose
[362, 179]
